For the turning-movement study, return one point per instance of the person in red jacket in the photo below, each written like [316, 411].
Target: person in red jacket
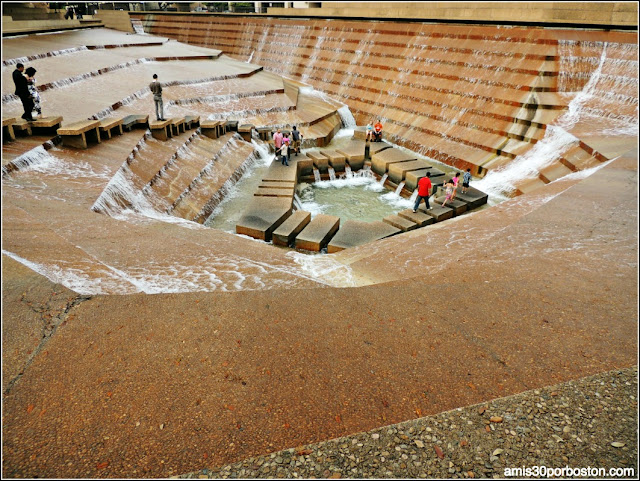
[424, 191]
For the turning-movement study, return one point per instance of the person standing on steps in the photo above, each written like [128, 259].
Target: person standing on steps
[284, 151]
[369, 131]
[156, 89]
[448, 191]
[465, 181]
[22, 91]
[277, 140]
[33, 91]
[296, 136]
[455, 180]
[424, 191]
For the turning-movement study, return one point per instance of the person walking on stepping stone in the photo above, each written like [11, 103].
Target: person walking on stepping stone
[424, 191]
[465, 181]
[22, 91]
[156, 89]
[448, 191]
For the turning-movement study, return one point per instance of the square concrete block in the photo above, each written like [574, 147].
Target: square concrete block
[380, 161]
[458, 206]
[320, 161]
[336, 160]
[290, 228]
[400, 222]
[438, 212]
[317, 234]
[412, 177]
[354, 154]
[354, 233]
[474, 197]
[304, 167]
[420, 217]
[263, 215]
[398, 171]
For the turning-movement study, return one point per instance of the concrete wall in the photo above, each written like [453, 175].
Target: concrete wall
[116, 19]
[589, 13]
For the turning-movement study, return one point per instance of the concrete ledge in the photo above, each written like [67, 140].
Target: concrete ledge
[245, 131]
[270, 192]
[263, 215]
[400, 222]
[320, 161]
[21, 125]
[317, 234]
[191, 121]
[355, 233]
[52, 122]
[7, 129]
[290, 228]
[376, 147]
[177, 125]
[212, 128]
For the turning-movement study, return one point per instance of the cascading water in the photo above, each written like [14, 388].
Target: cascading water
[399, 188]
[332, 174]
[384, 179]
[316, 175]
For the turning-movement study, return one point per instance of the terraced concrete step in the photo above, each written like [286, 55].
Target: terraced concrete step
[381, 161]
[336, 159]
[290, 228]
[419, 217]
[457, 205]
[355, 233]
[317, 234]
[438, 212]
[354, 153]
[400, 222]
[264, 215]
[398, 171]
[473, 197]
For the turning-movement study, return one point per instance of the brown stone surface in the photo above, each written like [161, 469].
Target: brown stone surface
[317, 234]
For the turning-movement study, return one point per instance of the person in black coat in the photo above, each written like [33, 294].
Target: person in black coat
[22, 91]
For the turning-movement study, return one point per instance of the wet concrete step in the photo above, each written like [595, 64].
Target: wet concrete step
[457, 205]
[398, 171]
[262, 216]
[285, 234]
[420, 217]
[473, 197]
[438, 212]
[355, 233]
[317, 234]
[336, 159]
[401, 223]
[381, 161]
[354, 153]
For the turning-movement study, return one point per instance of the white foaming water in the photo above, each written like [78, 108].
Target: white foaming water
[42, 161]
[348, 121]
[324, 269]
[502, 182]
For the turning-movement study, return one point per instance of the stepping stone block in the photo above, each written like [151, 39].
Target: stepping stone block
[438, 212]
[304, 166]
[376, 147]
[245, 131]
[400, 222]
[161, 129]
[380, 161]
[354, 233]
[458, 206]
[231, 126]
[177, 125]
[290, 228]
[354, 154]
[79, 134]
[360, 132]
[317, 234]
[131, 121]
[191, 121]
[319, 161]
[281, 173]
[264, 133]
[420, 217]
[47, 123]
[21, 125]
[336, 159]
[398, 171]
[263, 215]
[212, 128]
[110, 126]
[7, 129]
[474, 197]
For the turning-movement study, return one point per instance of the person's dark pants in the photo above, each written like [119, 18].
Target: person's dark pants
[27, 104]
[377, 136]
[426, 202]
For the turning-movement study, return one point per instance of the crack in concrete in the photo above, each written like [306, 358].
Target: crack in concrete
[50, 324]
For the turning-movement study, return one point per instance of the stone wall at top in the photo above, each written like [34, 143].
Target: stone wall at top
[583, 13]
